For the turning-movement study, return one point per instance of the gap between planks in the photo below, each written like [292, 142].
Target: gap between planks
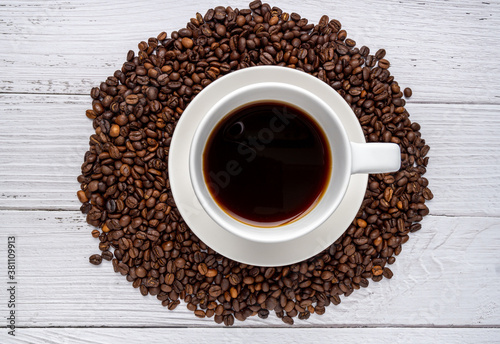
[408, 100]
[294, 326]
[73, 210]
[257, 336]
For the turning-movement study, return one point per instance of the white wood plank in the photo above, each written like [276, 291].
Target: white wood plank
[44, 138]
[444, 50]
[447, 275]
[256, 336]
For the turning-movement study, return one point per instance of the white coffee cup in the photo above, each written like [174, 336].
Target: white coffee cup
[347, 158]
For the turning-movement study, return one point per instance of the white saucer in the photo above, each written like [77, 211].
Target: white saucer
[208, 230]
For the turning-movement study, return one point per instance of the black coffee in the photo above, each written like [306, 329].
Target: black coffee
[266, 163]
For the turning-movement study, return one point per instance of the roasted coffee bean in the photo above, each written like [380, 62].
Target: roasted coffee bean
[123, 268]
[199, 313]
[377, 270]
[132, 99]
[187, 43]
[95, 259]
[255, 4]
[106, 255]
[215, 291]
[95, 92]
[380, 54]
[125, 188]
[383, 63]
[82, 197]
[229, 320]
[387, 273]
[271, 303]
[173, 305]
[364, 51]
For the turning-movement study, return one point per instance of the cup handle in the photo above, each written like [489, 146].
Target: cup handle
[375, 157]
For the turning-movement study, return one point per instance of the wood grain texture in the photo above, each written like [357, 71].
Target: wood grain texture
[446, 275]
[44, 138]
[256, 336]
[444, 50]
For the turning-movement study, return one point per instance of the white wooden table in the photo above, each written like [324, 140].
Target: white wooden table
[446, 281]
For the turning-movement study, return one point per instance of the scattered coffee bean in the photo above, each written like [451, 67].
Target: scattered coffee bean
[125, 188]
[388, 273]
[408, 92]
[95, 259]
[380, 54]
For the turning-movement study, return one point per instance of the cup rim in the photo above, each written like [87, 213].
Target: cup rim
[280, 233]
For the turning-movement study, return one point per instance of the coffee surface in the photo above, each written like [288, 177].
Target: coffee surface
[266, 163]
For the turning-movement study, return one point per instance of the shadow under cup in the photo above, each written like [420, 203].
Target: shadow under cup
[223, 152]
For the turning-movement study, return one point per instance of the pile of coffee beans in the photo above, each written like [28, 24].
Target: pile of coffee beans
[125, 187]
